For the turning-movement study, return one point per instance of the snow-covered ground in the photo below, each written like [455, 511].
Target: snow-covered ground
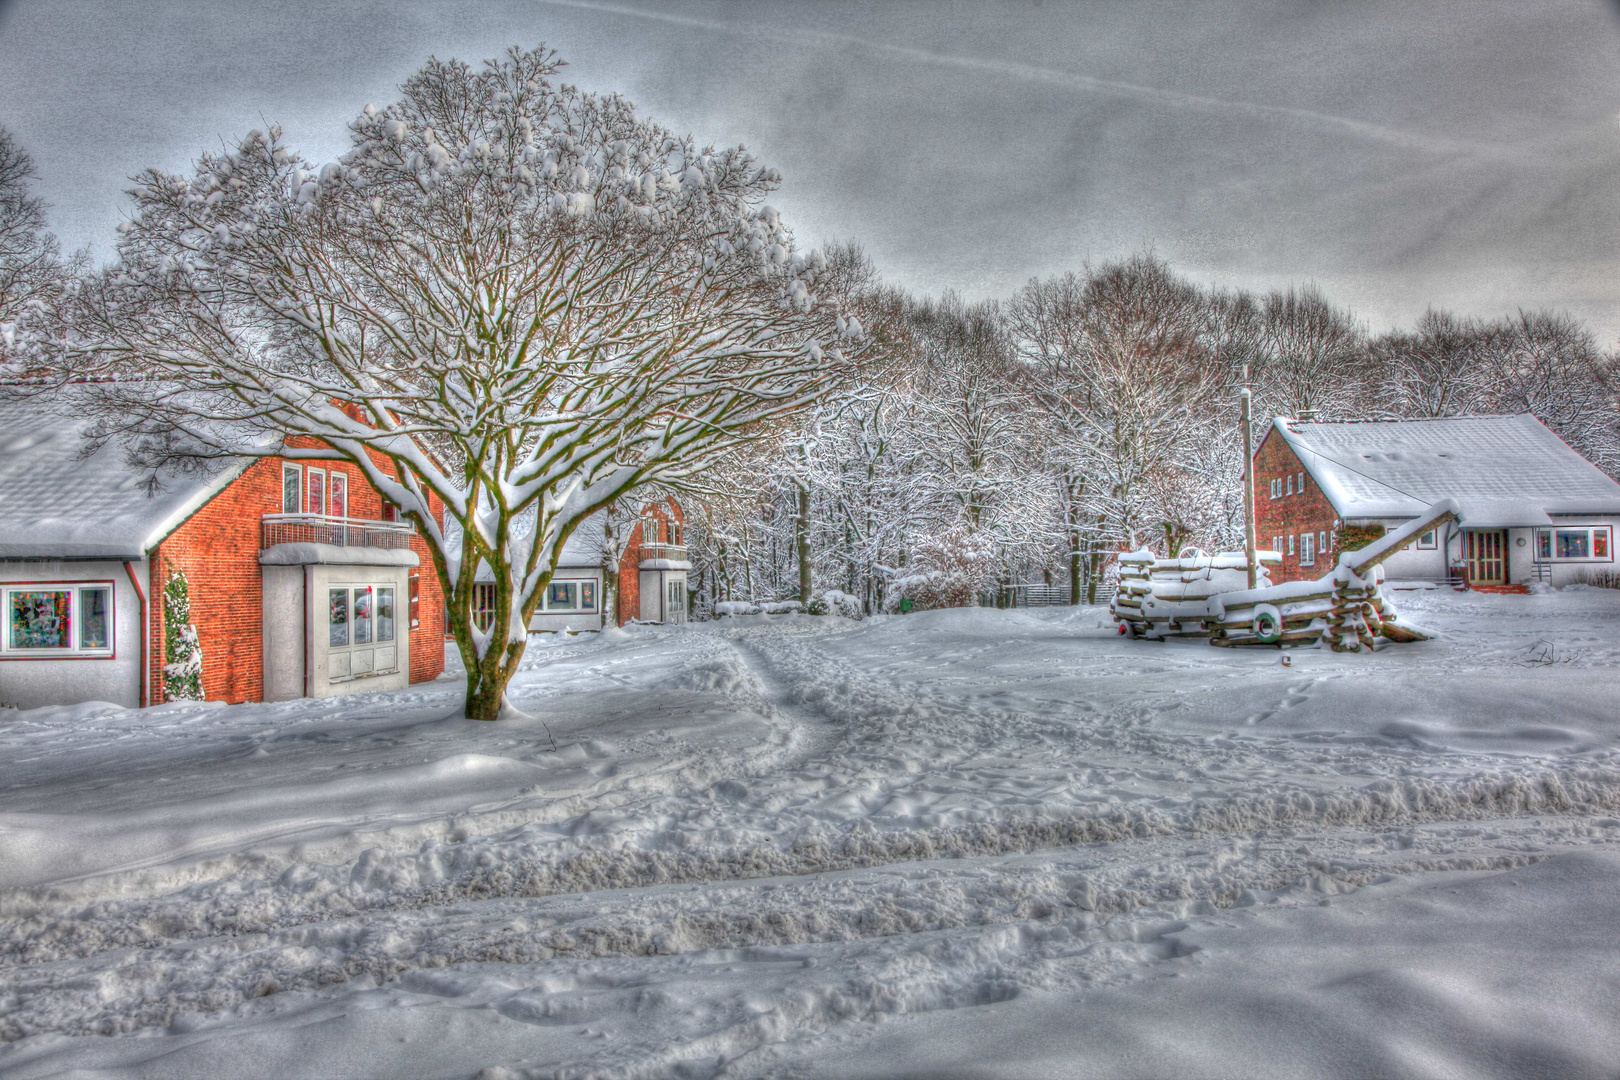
[961, 843]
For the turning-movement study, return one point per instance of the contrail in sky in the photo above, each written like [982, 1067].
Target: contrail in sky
[1175, 99]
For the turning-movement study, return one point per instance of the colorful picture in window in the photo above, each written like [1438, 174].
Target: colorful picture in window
[562, 596]
[587, 595]
[1544, 545]
[94, 609]
[1600, 543]
[362, 616]
[385, 614]
[41, 619]
[338, 617]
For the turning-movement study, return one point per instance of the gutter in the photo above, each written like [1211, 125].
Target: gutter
[146, 631]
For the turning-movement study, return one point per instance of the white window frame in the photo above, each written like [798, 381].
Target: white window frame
[76, 590]
[1289, 488]
[1290, 543]
[1429, 541]
[1277, 544]
[649, 525]
[1307, 549]
[1300, 487]
[326, 492]
[1592, 531]
[296, 473]
[334, 479]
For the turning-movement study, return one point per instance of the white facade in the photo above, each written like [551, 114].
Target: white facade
[63, 670]
[336, 620]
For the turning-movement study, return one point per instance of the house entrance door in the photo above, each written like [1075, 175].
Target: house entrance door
[1486, 552]
[360, 631]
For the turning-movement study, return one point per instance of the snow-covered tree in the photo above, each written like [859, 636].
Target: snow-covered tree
[510, 298]
[32, 272]
[182, 652]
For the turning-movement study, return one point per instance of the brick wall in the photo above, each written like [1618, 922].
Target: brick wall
[218, 550]
[1305, 511]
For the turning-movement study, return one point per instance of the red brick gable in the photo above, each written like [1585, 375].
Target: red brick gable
[1290, 515]
[218, 550]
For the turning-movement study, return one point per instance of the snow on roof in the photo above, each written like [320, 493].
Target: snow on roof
[56, 505]
[1501, 470]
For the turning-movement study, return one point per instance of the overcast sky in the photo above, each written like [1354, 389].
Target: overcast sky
[1399, 155]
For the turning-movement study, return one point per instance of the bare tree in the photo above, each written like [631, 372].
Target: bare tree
[510, 298]
[32, 272]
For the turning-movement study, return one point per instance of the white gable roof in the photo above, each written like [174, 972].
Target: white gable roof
[56, 505]
[1501, 470]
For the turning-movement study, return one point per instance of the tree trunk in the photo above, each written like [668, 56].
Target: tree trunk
[610, 573]
[801, 529]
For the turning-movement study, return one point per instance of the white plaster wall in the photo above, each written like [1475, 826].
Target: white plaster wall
[284, 619]
[652, 596]
[554, 622]
[29, 684]
[318, 649]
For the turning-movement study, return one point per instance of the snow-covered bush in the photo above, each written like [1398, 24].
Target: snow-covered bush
[182, 652]
[724, 608]
[951, 570]
[781, 607]
[835, 602]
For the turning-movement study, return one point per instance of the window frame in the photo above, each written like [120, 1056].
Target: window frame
[337, 479]
[1307, 549]
[310, 474]
[295, 473]
[75, 588]
[1429, 541]
[1548, 536]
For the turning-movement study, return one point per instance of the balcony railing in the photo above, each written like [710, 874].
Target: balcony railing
[664, 551]
[342, 532]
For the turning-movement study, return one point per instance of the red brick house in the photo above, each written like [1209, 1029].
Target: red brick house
[302, 582]
[652, 574]
[1532, 508]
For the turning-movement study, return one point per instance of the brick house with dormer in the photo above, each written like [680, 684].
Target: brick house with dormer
[1532, 508]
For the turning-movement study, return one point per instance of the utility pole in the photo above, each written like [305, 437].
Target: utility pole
[1250, 556]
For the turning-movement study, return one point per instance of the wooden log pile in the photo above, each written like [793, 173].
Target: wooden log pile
[1207, 596]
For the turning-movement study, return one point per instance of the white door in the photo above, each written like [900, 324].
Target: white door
[360, 631]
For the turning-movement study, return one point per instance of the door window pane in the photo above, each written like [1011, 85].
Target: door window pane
[94, 609]
[362, 616]
[41, 619]
[338, 619]
[1544, 545]
[1573, 544]
[385, 614]
[587, 595]
[292, 499]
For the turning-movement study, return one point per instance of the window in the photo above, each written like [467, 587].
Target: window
[1290, 543]
[562, 596]
[649, 530]
[1307, 549]
[292, 487]
[677, 596]
[1301, 488]
[483, 612]
[1428, 541]
[587, 596]
[1290, 490]
[674, 532]
[1276, 543]
[385, 614]
[1586, 543]
[1322, 542]
[58, 619]
[415, 601]
[340, 494]
[337, 618]
[315, 483]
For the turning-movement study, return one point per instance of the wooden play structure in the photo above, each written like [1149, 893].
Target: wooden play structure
[1228, 598]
